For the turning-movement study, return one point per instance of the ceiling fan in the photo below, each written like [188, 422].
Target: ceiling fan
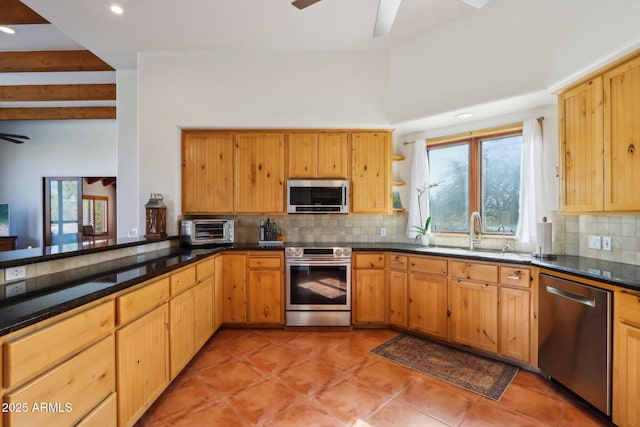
[16, 139]
[387, 10]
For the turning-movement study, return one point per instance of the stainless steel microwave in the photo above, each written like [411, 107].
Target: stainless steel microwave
[318, 196]
[207, 231]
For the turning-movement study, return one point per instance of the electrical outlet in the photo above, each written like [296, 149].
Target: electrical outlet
[595, 242]
[133, 232]
[606, 243]
[15, 289]
[383, 232]
[15, 273]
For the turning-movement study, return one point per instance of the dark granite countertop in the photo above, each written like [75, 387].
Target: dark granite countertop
[53, 294]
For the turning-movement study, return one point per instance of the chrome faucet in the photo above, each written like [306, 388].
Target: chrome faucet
[505, 246]
[473, 241]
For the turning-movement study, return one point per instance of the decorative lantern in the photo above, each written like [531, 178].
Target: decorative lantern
[156, 213]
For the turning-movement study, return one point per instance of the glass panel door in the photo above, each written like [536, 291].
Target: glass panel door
[63, 207]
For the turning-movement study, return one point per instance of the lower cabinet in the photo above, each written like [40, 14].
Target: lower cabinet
[626, 359]
[428, 304]
[265, 296]
[474, 314]
[369, 288]
[182, 320]
[398, 297]
[143, 363]
[218, 293]
[515, 314]
[234, 288]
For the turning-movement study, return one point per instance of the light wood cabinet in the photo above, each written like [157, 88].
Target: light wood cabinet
[207, 172]
[318, 155]
[234, 288]
[181, 328]
[626, 358]
[428, 304]
[103, 415]
[514, 323]
[259, 172]
[266, 288]
[369, 288]
[204, 297]
[622, 137]
[371, 172]
[398, 290]
[143, 363]
[474, 314]
[218, 292]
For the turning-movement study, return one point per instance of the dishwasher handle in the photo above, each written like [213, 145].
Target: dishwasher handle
[571, 296]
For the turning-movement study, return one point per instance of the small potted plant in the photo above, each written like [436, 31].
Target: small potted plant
[423, 232]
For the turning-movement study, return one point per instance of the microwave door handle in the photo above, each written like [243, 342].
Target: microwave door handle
[344, 196]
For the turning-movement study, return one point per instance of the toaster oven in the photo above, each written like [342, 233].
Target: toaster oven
[207, 231]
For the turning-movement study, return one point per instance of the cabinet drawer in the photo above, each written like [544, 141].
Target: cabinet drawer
[133, 304]
[371, 260]
[205, 269]
[103, 415]
[473, 271]
[428, 265]
[628, 308]
[398, 262]
[182, 280]
[515, 276]
[76, 386]
[258, 263]
[40, 349]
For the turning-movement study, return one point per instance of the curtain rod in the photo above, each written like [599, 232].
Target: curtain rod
[539, 119]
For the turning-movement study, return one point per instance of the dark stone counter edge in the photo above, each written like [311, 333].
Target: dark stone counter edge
[191, 255]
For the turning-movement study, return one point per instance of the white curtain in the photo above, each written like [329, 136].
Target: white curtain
[418, 194]
[532, 203]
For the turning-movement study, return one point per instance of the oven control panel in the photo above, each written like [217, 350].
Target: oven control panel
[318, 252]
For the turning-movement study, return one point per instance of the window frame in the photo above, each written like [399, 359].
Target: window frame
[474, 141]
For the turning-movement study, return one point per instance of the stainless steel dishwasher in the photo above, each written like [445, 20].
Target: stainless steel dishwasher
[574, 339]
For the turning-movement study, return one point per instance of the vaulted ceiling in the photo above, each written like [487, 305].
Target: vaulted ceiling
[45, 75]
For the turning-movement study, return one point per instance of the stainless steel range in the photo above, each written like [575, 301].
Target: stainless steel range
[318, 286]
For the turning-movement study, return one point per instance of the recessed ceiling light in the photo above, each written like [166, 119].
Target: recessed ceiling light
[7, 30]
[464, 115]
[118, 10]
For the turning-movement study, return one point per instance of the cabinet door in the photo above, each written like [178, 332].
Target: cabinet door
[622, 137]
[218, 293]
[259, 172]
[303, 155]
[143, 363]
[580, 112]
[474, 314]
[626, 390]
[333, 155]
[398, 298]
[514, 323]
[370, 296]
[207, 172]
[428, 304]
[181, 327]
[234, 288]
[371, 172]
[204, 300]
[265, 296]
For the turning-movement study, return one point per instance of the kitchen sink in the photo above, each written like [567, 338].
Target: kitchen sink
[481, 253]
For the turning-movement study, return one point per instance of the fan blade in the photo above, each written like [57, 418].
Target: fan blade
[8, 138]
[301, 4]
[14, 136]
[476, 3]
[387, 10]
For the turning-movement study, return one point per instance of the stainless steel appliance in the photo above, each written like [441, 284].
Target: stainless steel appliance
[574, 341]
[318, 286]
[207, 231]
[318, 196]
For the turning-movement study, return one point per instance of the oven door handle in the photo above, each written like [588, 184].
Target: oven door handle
[303, 262]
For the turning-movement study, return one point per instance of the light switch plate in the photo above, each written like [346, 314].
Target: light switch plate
[606, 243]
[15, 273]
[595, 242]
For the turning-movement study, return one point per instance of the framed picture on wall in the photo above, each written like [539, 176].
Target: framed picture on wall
[4, 219]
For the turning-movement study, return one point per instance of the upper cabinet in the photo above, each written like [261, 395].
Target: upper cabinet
[371, 172]
[318, 155]
[599, 133]
[259, 172]
[207, 172]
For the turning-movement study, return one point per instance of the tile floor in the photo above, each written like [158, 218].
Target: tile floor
[279, 378]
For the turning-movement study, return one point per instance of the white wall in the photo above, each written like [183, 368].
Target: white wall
[248, 90]
[508, 48]
[55, 148]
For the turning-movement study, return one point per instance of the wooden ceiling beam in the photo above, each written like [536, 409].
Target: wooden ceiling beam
[57, 113]
[50, 61]
[73, 92]
[14, 12]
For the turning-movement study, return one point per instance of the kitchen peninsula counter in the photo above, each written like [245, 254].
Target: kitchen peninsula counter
[53, 294]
